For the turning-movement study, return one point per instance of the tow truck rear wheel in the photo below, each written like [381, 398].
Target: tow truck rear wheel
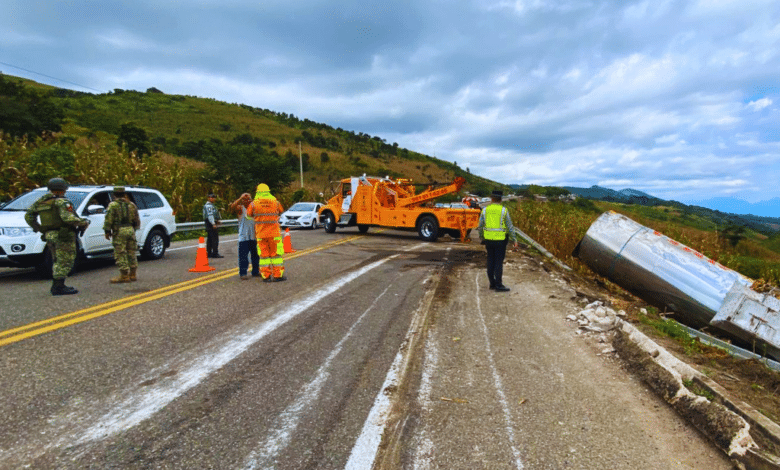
[428, 228]
[363, 228]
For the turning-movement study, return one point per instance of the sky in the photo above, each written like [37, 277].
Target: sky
[679, 99]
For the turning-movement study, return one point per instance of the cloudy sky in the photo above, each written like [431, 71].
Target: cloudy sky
[675, 98]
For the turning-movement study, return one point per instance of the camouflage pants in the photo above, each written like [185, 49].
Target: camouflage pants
[62, 244]
[125, 246]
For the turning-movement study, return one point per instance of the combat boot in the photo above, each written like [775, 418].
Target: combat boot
[58, 287]
[132, 275]
[124, 276]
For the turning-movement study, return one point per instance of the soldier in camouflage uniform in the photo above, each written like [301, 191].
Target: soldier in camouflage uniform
[121, 222]
[59, 224]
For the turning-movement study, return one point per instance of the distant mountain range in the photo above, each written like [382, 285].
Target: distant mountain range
[762, 216]
[597, 192]
[731, 205]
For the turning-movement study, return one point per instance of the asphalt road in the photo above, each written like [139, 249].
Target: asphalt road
[204, 370]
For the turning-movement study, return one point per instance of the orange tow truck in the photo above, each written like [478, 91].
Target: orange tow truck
[368, 201]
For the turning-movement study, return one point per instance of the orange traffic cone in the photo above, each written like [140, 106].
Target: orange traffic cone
[286, 242]
[202, 259]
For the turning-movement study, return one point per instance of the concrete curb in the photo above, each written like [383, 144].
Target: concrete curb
[750, 439]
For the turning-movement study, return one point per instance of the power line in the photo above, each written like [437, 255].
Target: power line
[49, 76]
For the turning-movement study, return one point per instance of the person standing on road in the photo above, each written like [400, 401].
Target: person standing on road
[265, 209]
[213, 220]
[121, 222]
[59, 224]
[247, 240]
[496, 229]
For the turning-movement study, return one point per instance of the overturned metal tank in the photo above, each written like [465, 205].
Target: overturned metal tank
[657, 269]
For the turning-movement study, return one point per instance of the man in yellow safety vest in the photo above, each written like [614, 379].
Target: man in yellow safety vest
[496, 229]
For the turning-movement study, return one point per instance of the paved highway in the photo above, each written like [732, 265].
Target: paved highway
[194, 370]
[204, 370]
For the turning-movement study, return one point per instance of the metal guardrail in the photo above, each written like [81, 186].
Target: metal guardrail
[541, 249]
[192, 226]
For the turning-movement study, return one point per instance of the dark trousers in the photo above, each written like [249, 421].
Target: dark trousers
[496, 251]
[212, 240]
[248, 247]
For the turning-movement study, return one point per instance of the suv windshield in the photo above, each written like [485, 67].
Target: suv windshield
[23, 202]
[302, 207]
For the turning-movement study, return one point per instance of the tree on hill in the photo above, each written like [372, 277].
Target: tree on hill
[134, 138]
[27, 112]
[244, 166]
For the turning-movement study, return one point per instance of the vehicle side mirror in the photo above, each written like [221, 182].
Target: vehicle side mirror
[96, 209]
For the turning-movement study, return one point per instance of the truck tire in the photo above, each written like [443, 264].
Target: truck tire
[363, 228]
[428, 228]
[154, 246]
[330, 223]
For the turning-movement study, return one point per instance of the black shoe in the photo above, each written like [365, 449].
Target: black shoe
[216, 256]
[255, 274]
[502, 288]
[58, 287]
[280, 279]
[492, 287]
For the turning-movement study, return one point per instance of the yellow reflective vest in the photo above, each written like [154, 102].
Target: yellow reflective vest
[495, 228]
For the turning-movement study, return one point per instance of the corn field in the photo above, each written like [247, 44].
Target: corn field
[559, 227]
[97, 162]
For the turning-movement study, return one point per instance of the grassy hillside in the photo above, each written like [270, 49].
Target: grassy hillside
[177, 128]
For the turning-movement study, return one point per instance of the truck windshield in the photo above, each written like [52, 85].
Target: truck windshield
[23, 202]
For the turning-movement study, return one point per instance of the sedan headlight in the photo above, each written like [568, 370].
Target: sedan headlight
[306, 217]
[16, 231]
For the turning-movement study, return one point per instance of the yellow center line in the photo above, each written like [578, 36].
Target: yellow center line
[44, 326]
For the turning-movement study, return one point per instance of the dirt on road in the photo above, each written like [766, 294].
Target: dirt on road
[506, 381]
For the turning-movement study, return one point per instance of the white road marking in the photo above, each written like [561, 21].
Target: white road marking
[424, 453]
[288, 421]
[140, 405]
[365, 450]
[510, 426]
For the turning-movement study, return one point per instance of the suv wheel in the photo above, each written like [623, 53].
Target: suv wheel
[154, 247]
[44, 268]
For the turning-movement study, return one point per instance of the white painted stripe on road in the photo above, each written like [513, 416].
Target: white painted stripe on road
[287, 422]
[424, 453]
[365, 450]
[143, 404]
[510, 425]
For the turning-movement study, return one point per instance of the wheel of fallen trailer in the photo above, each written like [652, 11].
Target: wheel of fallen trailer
[363, 228]
[428, 228]
[330, 223]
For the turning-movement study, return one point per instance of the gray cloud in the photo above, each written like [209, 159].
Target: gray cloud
[676, 98]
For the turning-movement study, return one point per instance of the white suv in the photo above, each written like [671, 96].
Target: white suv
[20, 247]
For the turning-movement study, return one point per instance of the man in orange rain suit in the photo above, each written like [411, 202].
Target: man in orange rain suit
[265, 209]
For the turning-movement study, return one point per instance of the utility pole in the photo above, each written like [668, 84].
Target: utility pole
[300, 160]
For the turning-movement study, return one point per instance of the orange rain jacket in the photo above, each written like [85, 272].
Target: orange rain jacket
[265, 209]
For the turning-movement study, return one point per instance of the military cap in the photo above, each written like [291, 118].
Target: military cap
[497, 194]
[119, 189]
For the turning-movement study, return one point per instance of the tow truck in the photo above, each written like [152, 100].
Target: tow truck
[369, 201]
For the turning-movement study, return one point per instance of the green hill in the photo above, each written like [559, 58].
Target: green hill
[213, 145]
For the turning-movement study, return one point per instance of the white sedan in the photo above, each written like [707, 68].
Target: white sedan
[301, 214]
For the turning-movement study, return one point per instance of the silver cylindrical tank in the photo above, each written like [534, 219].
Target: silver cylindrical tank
[657, 269]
